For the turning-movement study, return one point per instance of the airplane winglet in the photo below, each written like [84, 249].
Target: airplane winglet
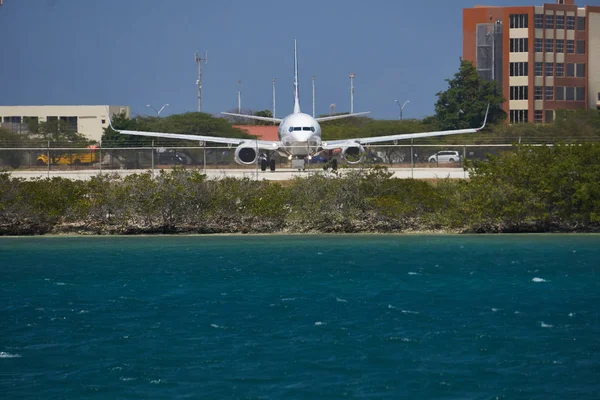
[108, 116]
[486, 117]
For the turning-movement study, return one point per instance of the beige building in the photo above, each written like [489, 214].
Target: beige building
[88, 120]
[545, 58]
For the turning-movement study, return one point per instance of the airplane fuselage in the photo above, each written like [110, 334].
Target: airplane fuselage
[300, 134]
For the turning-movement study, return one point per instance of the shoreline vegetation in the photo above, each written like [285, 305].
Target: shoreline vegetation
[529, 189]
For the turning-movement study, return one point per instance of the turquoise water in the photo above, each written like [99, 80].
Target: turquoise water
[300, 317]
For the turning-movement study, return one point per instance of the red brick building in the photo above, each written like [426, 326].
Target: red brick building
[545, 58]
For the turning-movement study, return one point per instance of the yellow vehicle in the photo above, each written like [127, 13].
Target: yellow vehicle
[76, 157]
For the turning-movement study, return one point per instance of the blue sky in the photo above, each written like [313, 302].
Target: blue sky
[136, 52]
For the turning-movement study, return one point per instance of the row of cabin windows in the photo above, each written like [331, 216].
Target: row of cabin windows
[558, 46]
[303, 128]
[573, 70]
[542, 21]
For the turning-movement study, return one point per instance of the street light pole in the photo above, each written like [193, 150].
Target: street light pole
[401, 107]
[274, 79]
[239, 97]
[313, 93]
[157, 111]
[352, 93]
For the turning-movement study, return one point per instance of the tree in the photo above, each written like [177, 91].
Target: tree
[264, 113]
[464, 103]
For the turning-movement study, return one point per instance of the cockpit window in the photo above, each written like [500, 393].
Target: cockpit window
[297, 128]
[306, 128]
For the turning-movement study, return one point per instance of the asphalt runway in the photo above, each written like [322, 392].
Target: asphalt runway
[284, 174]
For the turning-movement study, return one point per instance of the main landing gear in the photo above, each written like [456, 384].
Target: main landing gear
[267, 162]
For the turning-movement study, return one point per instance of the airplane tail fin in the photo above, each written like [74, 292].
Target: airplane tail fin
[296, 90]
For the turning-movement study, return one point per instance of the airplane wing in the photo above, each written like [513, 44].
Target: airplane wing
[268, 119]
[261, 144]
[334, 144]
[323, 119]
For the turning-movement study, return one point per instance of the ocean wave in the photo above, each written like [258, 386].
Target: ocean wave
[413, 273]
[538, 280]
[340, 300]
[9, 355]
[545, 325]
[319, 323]
[409, 312]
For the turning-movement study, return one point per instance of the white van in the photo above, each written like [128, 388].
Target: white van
[446, 156]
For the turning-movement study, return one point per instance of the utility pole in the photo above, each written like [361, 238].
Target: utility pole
[352, 93]
[274, 79]
[239, 97]
[313, 88]
[199, 80]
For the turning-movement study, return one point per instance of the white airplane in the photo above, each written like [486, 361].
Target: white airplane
[299, 137]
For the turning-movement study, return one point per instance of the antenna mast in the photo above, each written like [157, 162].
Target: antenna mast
[199, 80]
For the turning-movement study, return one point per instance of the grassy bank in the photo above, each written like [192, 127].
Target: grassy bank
[533, 189]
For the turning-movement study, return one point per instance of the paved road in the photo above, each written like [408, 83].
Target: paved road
[279, 175]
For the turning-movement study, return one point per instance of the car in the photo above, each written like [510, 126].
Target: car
[318, 159]
[445, 156]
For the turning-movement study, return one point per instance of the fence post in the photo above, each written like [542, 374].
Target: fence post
[464, 160]
[48, 154]
[412, 160]
[153, 159]
[100, 151]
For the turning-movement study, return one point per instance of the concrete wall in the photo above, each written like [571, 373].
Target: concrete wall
[594, 57]
[91, 120]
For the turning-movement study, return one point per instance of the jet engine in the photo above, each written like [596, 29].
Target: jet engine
[245, 154]
[353, 154]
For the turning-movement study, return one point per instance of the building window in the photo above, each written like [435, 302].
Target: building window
[549, 45]
[581, 47]
[538, 68]
[518, 116]
[570, 93]
[580, 70]
[580, 94]
[519, 21]
[537, 116]
[519, 93]
[570, 70]
[538, 45]
[538, 93]
[103, 121]
[549, 69]
[538, 20]
[518, 68]
[560, 70]
[549, 22]
[570, 22]
[12, 120]
[570, 46]
[559, 93]
[560, 22]
[581, 23]
[549, 116]
[548, 95]
[560, 46]
[519, 45]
